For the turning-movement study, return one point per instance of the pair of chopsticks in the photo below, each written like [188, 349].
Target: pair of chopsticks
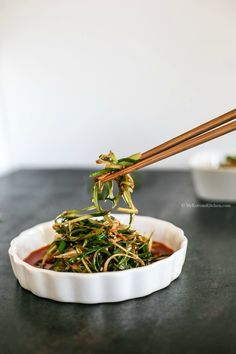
[194, 137]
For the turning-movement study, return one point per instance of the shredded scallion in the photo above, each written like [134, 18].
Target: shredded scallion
[91, 239]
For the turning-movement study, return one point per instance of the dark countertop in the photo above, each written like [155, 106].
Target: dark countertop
[195, 314]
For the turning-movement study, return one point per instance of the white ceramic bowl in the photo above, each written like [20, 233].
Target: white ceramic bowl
[212, 182]
[99, 287]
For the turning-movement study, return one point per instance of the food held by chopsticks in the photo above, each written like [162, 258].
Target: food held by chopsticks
[91, 239]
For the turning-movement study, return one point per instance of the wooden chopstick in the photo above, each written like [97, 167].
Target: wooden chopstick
[185, 141]
[211, 124]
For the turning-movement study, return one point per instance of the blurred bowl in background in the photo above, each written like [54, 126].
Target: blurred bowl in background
[212, 181]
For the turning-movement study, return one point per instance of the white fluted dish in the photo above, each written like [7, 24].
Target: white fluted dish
[99, 287]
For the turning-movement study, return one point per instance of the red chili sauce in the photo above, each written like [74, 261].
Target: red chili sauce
[36, 255]
[158, 249]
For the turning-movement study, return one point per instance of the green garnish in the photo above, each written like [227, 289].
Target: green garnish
[91, 239]
[229, 161]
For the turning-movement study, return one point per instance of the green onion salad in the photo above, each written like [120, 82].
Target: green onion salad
[91, 239]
